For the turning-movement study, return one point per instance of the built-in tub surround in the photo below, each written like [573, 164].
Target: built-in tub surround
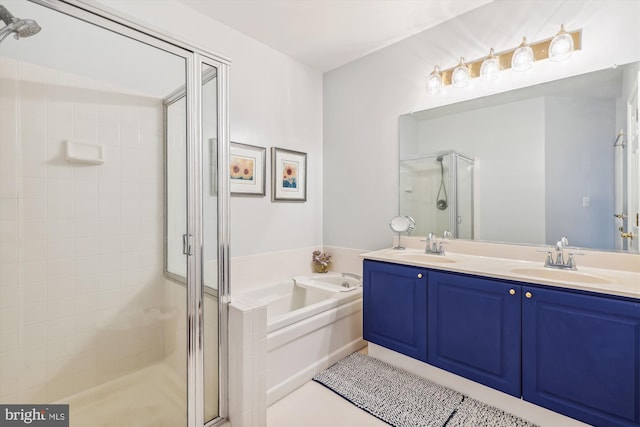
[271, 355]
[613, 273]
[307, 330]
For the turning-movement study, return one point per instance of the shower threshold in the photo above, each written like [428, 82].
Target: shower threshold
[152, 396]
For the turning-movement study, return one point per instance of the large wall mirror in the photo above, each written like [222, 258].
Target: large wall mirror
[551, 160]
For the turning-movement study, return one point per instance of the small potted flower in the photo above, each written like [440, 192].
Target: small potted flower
[321, 261]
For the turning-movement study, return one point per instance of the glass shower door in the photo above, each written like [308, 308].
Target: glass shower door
[210, 239]
[87, 317]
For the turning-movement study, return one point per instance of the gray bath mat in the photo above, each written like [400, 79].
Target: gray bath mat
[403, 399]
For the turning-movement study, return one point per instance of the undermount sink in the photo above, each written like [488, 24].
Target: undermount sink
[563, 275]
[422, 257]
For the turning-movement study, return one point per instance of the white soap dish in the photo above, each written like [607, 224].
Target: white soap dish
[82, 152]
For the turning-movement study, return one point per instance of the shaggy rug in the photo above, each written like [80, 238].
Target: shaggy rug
[403, 399]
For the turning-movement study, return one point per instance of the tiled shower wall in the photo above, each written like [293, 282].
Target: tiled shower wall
[81, 285]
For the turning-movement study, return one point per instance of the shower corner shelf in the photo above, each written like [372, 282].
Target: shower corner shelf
[82, 152]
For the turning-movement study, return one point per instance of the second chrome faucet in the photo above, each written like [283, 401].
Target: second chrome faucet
[433, 246]
[559, 261]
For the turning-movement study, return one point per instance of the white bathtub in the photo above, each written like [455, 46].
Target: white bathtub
[308, 330]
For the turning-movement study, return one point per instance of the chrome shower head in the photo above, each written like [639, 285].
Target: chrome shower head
[19, 27]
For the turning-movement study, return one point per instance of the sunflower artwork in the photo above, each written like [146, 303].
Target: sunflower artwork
[289, 175]
[246, 170]
[242, 168]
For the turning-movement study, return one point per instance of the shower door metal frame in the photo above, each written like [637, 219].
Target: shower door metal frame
[195, 58]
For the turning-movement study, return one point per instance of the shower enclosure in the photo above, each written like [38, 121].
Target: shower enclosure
[437, 191]
[113, 148]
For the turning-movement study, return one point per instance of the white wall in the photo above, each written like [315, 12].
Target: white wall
[274, 101]
[580, 129]
[363, 99]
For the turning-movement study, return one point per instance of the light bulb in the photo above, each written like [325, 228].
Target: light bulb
[460, 76]
[522, 59]
[561, 46]
[490, 67]
[434, 81]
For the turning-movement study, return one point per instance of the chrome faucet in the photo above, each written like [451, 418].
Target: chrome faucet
[559, 261]
[432, 246]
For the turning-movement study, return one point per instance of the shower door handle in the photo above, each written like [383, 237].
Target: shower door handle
[186, 244]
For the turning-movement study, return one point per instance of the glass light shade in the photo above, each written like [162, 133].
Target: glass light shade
[434, 81]
[490, 67]
[522, 59]
[460, 76]
[561, 46]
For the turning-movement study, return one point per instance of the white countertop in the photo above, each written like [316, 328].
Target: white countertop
[600, 280]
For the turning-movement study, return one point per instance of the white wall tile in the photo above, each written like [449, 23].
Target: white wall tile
[8, 253]
[34, 250]
[85, 265]
[87, 227]
[32, 273]
[60, 228]
[33, 335]
[8, 209]
[55, 209]
[34, 167]
[33, 208]
[8, 183]
[71, 235]
[33, 292]
[32, 229]
[58, 308]
[34, 312]
[60, 268]
[8, 231]
[9, 318]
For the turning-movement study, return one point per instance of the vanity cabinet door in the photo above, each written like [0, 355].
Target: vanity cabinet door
[395, 303]
[581, 356]
[474, 329]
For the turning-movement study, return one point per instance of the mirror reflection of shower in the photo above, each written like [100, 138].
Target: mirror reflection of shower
[20, 28]
[437, 189]
[442, 202]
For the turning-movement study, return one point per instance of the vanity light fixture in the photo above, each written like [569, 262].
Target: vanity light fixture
[561, 46]
[521, 58]
[490, 67]
[434, 81]
[460, 76]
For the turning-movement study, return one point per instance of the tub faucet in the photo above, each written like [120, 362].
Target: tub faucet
[432, 246]
[559, 261]
[352, 275]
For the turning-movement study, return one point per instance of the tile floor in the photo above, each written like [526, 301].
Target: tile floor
[314, 405]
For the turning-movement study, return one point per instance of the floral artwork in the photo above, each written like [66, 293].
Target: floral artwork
[247, 170]
[288, 175]
[242, 168]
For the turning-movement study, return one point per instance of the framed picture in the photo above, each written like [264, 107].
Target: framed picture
[288, 175]
[247, 173]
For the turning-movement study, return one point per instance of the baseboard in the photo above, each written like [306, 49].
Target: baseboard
[280, 390]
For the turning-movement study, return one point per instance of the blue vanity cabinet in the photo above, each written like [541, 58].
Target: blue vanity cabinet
[474, 329]
[581, 355]
[394, 307]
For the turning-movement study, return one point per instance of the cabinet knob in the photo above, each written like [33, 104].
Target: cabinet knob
[419, 275]
[528, 295]
[512, 291]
